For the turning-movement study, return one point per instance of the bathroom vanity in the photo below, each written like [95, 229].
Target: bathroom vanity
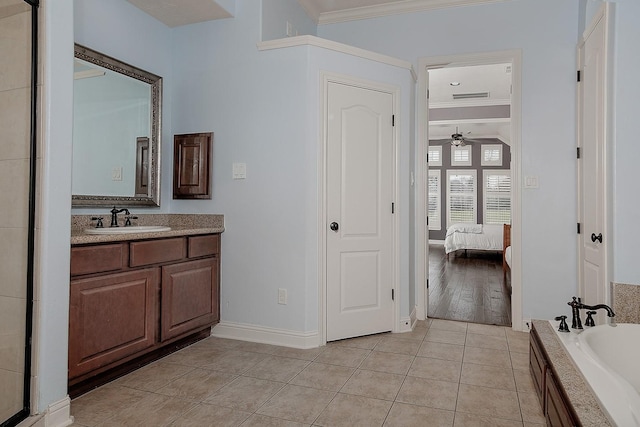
[136, 297]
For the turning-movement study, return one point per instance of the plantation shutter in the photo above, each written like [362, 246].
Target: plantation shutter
[461, 197]
[435, 221]
[497, 197]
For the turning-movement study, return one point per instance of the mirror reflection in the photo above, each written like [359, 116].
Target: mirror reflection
[115, 132]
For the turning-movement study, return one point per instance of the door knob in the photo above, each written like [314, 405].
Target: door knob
[334, 226]
[598, 237]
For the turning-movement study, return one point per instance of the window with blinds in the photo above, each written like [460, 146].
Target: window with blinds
[435, 220]
[461, 196]
[435, 156]
[497, 196]
[461, 156]
[491, 155]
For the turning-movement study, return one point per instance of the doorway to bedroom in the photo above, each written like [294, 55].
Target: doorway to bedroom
[469, 192]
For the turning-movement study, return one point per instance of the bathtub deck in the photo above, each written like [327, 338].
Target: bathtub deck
[578, 392]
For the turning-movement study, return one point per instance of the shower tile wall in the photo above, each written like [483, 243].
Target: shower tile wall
[626, 302]
[15, 47]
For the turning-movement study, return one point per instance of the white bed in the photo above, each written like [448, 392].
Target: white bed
[484, 237]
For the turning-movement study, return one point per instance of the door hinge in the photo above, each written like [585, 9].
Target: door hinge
[578, 152]
[427, 283]
[393, 295]
[578, 228]
[393, 208]
[427, 219]
[578, 76]
[393, 120]
[427, 93]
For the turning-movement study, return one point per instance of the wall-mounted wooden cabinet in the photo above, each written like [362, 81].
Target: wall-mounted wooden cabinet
[192, 166]
[136, 299]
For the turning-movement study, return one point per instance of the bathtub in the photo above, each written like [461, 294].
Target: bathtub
[608, 357]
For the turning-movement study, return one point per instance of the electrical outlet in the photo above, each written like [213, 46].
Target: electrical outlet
[282, 296]
[526, 324]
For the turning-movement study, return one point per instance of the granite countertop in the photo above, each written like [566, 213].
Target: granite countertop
[181, 225]
[578, 391]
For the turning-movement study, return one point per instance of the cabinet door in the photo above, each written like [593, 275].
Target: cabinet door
[190, 297]
[557, 411]
[111, 317]
[537, 365]
[191, 170]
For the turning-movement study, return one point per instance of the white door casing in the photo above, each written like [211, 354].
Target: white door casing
[592, 172]
[422, 248]
[360, 156]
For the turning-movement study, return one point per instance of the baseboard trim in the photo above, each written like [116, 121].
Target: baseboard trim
[407, 323]
[265, 335]
[58, 414]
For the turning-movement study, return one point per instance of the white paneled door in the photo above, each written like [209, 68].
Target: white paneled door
[360, 168]
[592, 163]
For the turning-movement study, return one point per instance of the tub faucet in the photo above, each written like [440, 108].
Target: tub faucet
[114, 215]
[576, 304]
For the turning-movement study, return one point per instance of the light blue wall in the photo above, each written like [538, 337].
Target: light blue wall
[121, 30]
[546, 31]
[276, 14]
[263, 109]
[51, 296]
[626, 93]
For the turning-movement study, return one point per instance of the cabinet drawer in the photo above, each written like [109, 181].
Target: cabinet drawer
[98, 259]
[156, 251]
[204, 245]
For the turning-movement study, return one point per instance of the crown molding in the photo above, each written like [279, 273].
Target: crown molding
[391, 8]
[307, 40]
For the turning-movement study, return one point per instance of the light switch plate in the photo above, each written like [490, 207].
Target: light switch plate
[239, 171]
[531, 181]
[116, 173]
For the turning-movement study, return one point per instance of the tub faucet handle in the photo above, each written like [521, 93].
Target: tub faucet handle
[563, 324]
[590, 321]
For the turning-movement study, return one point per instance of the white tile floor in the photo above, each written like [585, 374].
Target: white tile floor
[444, 373]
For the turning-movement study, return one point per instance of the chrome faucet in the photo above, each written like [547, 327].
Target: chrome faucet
[114, 215]
[576, 304]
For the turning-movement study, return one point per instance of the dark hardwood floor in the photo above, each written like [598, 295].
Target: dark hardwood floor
[468, 287]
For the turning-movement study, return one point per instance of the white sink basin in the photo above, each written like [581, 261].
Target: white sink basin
[128, 230]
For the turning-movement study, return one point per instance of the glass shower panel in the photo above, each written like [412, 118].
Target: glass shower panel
[15, 207]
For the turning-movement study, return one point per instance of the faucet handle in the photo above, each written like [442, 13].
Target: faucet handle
[563, 324]
[590, 321]
[128, 218]
[99, 219]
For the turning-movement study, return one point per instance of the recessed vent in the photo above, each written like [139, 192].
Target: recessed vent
[471, 95]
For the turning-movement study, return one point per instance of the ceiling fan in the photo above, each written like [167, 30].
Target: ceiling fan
[459, 140]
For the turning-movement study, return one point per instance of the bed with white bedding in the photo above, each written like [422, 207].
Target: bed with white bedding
[483, 237]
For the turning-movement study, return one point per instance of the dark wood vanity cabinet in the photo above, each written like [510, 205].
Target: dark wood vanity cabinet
[131, 299]
[555, 405]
